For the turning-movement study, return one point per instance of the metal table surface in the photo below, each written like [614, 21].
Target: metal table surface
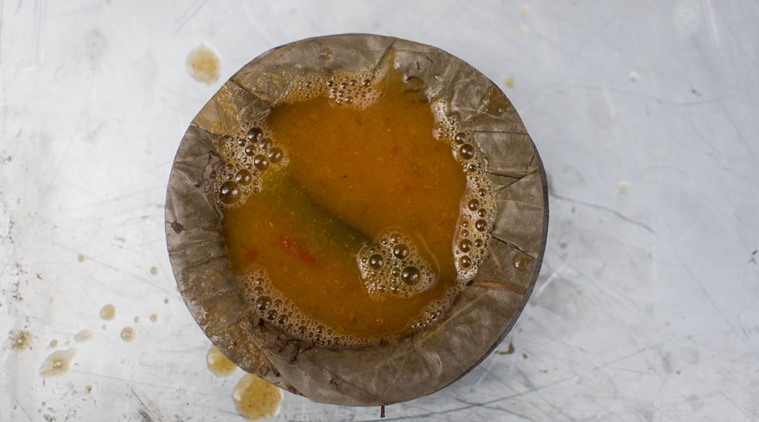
[645, 114]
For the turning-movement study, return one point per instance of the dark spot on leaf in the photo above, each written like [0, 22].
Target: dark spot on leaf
[177, 227]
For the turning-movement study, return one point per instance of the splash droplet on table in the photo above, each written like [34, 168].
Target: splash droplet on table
[20, 339]
[154, 270]
[127, 334]
[83, 335]
[203, 64]
[255, 398]
[53, 343]
[624, 186]
[136, 320]
[89, 389]
[57, 363]
[80, 258]
[108, 312]
[524, 10]
[219, 364]
[154, 318]
[509, 82]
[524, 30]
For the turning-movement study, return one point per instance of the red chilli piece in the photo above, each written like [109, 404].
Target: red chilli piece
[296, 250]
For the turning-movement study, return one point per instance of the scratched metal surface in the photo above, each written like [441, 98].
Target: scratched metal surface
[645, 114]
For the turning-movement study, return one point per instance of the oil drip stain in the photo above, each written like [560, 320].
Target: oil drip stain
[203, 64]
[108, 312]
[219, 364]
[524, 10]
[83, 335]
[509, 82]
[20, 339]
[256, 399]
[53, 344]
[127, 334]
[624, 186]
[80, 258]
[154, 318]
[57, 363]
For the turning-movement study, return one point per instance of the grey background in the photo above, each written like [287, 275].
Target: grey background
[645, 115]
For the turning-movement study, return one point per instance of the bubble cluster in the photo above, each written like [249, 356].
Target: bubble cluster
[247, 156]
[434, 311]
[357, 90]
[478, 205]
[394, 265]
[276, 309]
[475, 221]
